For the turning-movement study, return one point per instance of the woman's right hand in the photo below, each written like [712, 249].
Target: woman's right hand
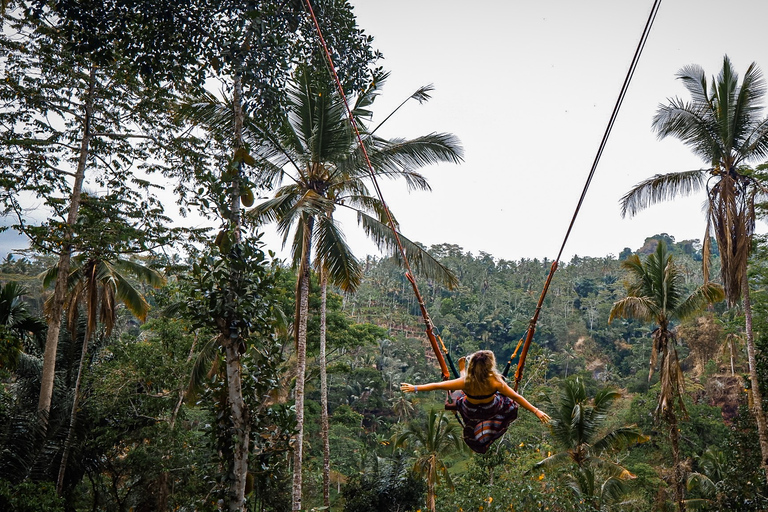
[407, 388]
[543, 417]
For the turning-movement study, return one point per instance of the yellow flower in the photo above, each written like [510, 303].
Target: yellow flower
[541, 476]
[522, 444]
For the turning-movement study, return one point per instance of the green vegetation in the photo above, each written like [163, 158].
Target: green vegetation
[149, 366]
[152, 428]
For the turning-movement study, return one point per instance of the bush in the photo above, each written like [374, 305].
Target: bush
[29, 497]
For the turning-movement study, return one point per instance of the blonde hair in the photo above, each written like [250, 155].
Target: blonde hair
[481, 368]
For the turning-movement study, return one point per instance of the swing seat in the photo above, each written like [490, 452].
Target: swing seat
[450, 402]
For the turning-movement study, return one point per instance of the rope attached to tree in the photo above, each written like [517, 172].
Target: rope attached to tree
[409, 274]
[526, 342]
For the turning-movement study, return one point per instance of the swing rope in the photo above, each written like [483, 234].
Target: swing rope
[438, 346]
[430, 328]
[603, 142]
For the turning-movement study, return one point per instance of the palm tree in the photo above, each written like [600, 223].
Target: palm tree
[16, 322]
[431, 442]
[655, 294]
[96, 284]
[402, 407]
[317, 152]
[709, 481]
[721, 124]
[578, 430]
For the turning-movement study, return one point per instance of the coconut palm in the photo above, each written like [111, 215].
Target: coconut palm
[431, 442]
[317, 152]
[96, 284]
[578, 431]
[402, 407]
[721, 124]
[655, 294]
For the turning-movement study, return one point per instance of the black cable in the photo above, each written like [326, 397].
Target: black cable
[614, 115]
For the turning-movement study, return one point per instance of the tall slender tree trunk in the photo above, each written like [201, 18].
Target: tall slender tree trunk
[679, 477]
[231, 340]
[324, 391]
[301, 365]
[431, 496]
[757, 397]
[60, 290]
[241, 426]
[76, 398]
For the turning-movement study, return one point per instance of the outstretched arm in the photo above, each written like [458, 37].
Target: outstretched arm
[448, 385]
[504, 389]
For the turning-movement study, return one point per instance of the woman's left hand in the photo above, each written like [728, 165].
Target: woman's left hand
[407, 388]
[543, 417]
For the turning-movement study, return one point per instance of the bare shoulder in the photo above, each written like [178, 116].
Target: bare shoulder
[498, 383]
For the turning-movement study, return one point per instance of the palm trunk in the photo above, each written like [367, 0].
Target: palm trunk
[57, 305]
[431, 496]
[73, 413]
[757, 397]
[674, 436]
[733, 369]
[324, 391]
[301, 366]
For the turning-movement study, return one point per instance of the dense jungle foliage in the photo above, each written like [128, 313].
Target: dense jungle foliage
[153, 431]
[148, 364]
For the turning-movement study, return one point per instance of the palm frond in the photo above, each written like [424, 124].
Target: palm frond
[661, 187]
[421, 95]
[208, 111]
[132, 298]
[398, 155]
[695, 81]
[205, 365]
[553, 461]
[620, 438]
[709, 293]
[641, 308]
[273, 209]
[49, 276]
[143, 273]
[421, 261]
[334, 254]
[702, 483]
[613, 489]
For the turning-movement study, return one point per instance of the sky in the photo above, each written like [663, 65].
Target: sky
[528, 88]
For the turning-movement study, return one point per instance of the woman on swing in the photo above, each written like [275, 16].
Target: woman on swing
[487, 404]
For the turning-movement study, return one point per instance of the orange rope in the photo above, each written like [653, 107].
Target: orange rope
[603, 142]
[408, 273]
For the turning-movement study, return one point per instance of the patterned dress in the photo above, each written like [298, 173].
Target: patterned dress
[485, 423]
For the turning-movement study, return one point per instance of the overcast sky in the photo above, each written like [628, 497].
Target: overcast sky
[529, 87]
